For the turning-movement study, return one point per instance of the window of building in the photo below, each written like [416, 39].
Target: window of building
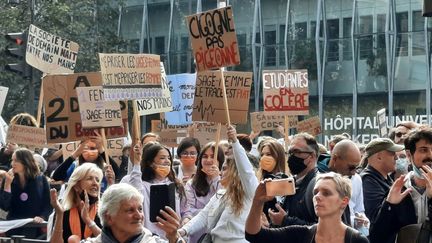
[366, 42]
[333, 36]
[418, 41]
[160, 45]
[402, 35]
[347, 50]
[270, 47]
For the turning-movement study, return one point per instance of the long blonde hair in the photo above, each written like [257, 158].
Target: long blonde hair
[80, 173]
[235, 194]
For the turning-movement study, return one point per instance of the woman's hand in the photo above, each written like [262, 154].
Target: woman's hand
[38, 220]
[261, 193]
[169, 223]
[79, 150]
[98, 141]
[109, 175]
[55, 203]
[231, 133]
[137, 150]
[85, 208]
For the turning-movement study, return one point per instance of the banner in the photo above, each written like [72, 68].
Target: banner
[162, 125]
[208, 103]
[3, 94]
[130, 76]
[213, 39]
[286, 92]
[26, 135]
[49, 53]
[63, 121]
[311, 126]
[182, 88]
[153, 105]
[94, 111]
[206, 132]
[260, 121]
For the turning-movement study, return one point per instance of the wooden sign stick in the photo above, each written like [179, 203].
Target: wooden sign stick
[39, 110]
[225, 97]
[286, 127]
[216, 150]
[105, 145]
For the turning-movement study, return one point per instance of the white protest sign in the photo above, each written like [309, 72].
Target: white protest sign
[381, 116]
[49, 53]
[95, 111]
[153, 105]
[3, 94]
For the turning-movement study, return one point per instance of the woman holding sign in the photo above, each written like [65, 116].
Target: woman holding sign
[90, 150]
[155, 169]
[224, 217]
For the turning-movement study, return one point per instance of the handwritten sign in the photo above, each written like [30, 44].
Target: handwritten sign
[3, 94]
[153, 105]
[162, 125]
[63, 120]
[311, 126]
[182, 88]
[286, 92]
[95, 111]
[171, 138]
[260, 121]
[26, 135]
[49, 53]
[213, 39]
[130, 76]
[382, 125]
[208, 103]
[115, 147]
[69, 148]
[206, 132]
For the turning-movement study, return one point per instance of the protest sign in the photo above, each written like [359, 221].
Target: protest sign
[26, 135]
[171, 138]
[182, 88]
[213, 39]
[69, 148]
[63, 121]
[3, 94]
[152, 105]
[208, 103]
[260, 121]
[95, 111]
[286, 92]
[206, 132]
[130, 76]
[381, 117]
[114, 148]
[155, 126]
[311, 126]
[49, 53]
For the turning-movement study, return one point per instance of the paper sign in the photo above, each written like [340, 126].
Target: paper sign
[95, 111]
[206, 132]
[63, 121]
[49, 53]
[130, 76]
[153, 105]
[182, 88]
[311, 126]
[382, 126]
[260, 121]
[208, 103]
[213, 39]
[25, 135]
[115, 147]
[3, 94]
[286, 92]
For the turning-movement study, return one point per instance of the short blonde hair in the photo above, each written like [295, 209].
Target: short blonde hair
[343, 184]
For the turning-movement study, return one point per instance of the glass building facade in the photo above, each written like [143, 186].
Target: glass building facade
[361, 55]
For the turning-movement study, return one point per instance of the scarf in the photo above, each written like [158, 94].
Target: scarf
[75, 222]
[108, 237]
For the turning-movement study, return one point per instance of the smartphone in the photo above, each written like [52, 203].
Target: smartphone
[161, 196]
[280, 187]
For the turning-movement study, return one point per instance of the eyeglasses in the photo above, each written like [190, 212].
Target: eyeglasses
[298, 153]
[190, 154]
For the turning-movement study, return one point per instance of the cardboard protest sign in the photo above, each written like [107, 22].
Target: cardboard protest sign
[182, 88]
[69, 148]
[50, 53]
[206, 132]
[130, 76]
[208, 103]
[171, 138]
[26, 135]
[163, 125]
[260, 121]
[114, 148]
[3, 94]
[152, 105]
[381, 117]
[213, 39]
[95, 111]
[155, 126]
[63, 121]
[311, 126]
[286, 92]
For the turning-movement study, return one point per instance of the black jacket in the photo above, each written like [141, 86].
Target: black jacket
[385, 219]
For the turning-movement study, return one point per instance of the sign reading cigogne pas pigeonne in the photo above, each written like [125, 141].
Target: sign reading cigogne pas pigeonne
[213, 39]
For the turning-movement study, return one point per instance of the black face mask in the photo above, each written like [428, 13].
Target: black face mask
[296, 164]
[92, 200]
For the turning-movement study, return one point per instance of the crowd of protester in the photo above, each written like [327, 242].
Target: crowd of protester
[349, 193]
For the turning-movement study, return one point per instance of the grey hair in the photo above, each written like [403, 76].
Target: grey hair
[112, 198]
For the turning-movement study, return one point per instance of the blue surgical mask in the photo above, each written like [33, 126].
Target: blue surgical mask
[417, 172]
[402, 165]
